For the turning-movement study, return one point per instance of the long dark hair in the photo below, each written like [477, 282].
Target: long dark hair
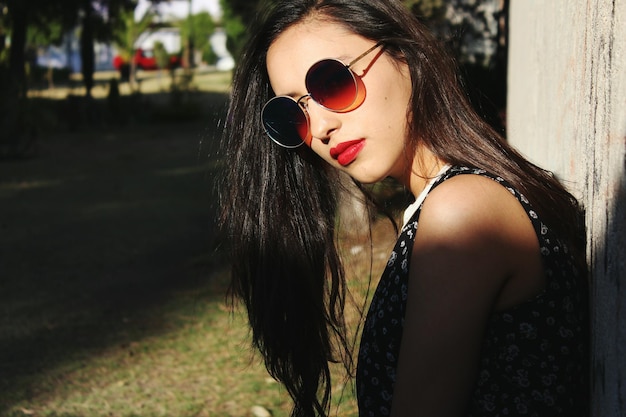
[279, 206]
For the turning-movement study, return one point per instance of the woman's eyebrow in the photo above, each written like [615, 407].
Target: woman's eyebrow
[292, 94]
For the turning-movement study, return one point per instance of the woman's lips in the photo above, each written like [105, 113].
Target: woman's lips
[346, 152]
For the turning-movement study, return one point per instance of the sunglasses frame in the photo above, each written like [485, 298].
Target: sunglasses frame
[302, 107]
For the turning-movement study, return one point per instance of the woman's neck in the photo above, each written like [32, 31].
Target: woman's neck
[424, 167]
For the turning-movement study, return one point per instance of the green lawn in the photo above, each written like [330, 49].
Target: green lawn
[112, 285]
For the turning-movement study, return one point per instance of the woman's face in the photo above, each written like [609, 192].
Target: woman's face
[368, 142]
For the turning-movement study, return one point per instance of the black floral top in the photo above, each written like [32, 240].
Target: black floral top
[534, 356]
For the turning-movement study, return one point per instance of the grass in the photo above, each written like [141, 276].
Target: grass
[112, 286]
[149, 82]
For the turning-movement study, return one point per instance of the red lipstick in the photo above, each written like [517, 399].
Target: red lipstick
[346, 152]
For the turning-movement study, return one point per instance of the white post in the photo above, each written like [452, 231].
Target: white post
[567, 112]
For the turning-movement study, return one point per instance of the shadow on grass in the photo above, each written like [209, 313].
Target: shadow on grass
[96, 234]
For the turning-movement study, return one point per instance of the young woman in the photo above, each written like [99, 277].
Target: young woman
[481, 310]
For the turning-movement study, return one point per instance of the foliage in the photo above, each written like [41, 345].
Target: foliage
[35, 22]
[4, 57]
[4, 17]
[208, 54]
[49, 32]
[475, 34]
[426, 10]
[161, 55]
[245, 10]
[234, 20]
[126, 30]
[200, 27]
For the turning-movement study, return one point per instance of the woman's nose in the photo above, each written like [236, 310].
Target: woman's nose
[323, 122]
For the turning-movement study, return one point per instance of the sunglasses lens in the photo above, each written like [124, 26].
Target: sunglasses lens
[331, 84]
[285, 122]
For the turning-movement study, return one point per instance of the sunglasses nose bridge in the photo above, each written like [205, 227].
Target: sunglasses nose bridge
[303, 101]
[322, 122]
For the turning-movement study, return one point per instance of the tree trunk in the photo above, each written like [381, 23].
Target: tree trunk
[13, 85]
[17, 57]
[86, 49]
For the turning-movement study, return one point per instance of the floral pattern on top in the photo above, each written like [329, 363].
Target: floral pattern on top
[534, 356]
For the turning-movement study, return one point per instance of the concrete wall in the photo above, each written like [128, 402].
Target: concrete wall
[567, 112]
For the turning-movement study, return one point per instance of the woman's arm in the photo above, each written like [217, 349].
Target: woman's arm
[475, 252]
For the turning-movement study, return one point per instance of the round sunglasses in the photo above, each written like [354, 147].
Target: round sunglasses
[330, 83]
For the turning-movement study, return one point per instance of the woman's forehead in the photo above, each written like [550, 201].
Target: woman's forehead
[297, 48]
[311, 37]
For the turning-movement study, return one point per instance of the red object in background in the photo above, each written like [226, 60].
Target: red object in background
[118, 61]
[145, 60]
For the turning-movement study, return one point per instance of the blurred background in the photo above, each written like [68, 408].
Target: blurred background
[112, 283]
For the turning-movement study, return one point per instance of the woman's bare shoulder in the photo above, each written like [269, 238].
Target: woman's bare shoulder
[472, 206]
[473, 226]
